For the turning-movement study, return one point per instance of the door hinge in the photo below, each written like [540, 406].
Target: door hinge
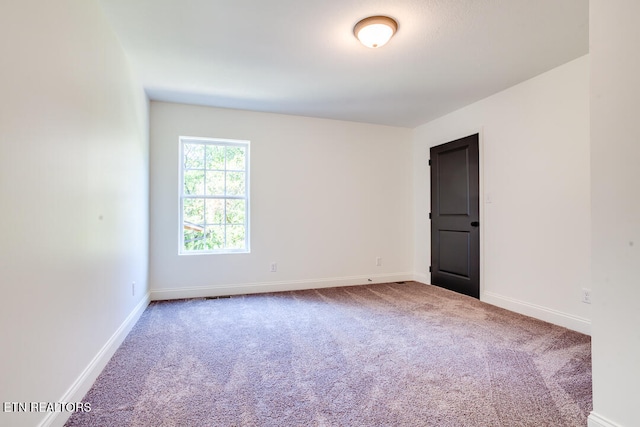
[429, 162]
[429, 215]
[429, 269]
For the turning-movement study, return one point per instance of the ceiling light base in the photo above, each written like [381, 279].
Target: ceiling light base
[375, 31]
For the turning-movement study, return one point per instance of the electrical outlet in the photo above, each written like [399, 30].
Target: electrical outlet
[379, 262]
[133, 289]
[274, 267]
[586, 296]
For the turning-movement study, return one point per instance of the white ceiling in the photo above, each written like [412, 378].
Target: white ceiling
[300, 57]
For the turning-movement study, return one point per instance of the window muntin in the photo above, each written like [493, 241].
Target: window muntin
[214, 196]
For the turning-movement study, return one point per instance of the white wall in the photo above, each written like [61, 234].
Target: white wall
[74, 192]
[615, 154]
[327, 198]
[534, 140]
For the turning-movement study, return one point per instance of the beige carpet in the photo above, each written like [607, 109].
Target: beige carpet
[377, 355]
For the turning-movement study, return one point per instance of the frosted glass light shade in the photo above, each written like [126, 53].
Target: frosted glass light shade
[375, 31]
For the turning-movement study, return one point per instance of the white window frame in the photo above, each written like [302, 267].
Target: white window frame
[182, 196]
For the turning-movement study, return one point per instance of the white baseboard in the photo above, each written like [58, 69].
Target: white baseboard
[556, 317]
[422, 278]
[294, 285]
[596, 420]
[83, 383]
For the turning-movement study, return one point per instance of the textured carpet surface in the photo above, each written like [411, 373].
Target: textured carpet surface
[377, 355]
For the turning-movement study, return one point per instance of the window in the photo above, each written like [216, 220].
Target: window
[214, 196]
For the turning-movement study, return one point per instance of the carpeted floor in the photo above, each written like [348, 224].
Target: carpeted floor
[376, 355]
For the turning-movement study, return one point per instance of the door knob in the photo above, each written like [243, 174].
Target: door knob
[475, 224]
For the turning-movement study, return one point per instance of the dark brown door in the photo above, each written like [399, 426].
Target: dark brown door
[455, 216]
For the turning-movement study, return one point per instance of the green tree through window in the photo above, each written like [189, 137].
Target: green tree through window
[214, 196]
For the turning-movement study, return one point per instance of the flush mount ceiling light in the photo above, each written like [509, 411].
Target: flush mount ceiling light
[375, 31]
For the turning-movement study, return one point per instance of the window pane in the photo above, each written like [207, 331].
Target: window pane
[235, 237]
[193, 156]
[193, 213]
[215, 183]
[236, 158]
[235, 184]
[193, 182]
[215, 211]
[236, 211]
[215, 157]
[194, 240]
[215, 237]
